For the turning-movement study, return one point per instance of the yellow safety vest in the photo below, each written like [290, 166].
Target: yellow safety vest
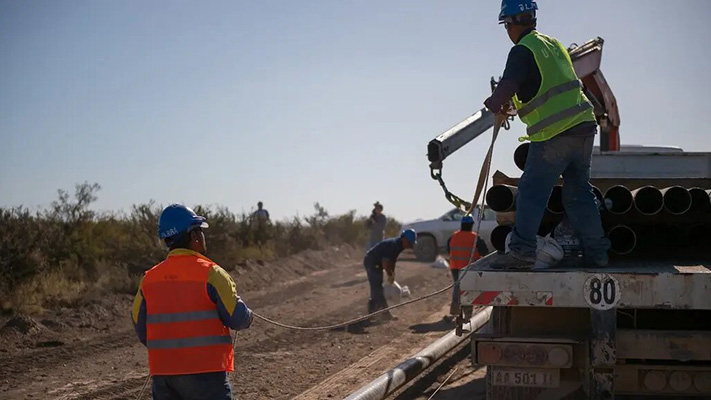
[560, 103]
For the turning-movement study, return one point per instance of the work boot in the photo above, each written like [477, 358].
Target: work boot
[513, 261]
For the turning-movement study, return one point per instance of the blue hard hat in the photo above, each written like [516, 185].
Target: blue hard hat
[467, 219]
[410, 235]
[177, 219]
[511, 8]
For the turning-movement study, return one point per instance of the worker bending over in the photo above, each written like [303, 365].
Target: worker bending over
[182, 312]
[460, 247]
[381, 257]
[560, 123]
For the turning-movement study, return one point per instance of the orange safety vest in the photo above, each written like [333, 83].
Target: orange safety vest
[183, 329]
[460, 249]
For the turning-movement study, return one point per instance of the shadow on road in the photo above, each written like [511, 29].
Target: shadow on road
[439, 326]
[352, 282]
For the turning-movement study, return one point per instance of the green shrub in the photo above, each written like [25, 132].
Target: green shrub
[68, 252]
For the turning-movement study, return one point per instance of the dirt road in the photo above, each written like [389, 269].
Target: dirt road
[100, 358]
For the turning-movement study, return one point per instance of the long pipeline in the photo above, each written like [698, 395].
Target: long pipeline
[394, 379]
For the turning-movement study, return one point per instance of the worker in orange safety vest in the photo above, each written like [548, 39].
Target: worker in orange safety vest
[460, 247]
[182, 312]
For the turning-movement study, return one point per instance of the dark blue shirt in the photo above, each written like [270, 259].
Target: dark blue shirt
[387, 249]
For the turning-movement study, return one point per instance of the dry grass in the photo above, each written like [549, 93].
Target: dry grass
[68, 253]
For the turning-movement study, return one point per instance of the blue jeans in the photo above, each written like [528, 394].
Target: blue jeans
[375, 280]
[207, 386]
[568, 156]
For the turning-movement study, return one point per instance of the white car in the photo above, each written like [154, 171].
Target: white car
[433, 234]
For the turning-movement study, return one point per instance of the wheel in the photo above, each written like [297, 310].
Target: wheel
[426, 248]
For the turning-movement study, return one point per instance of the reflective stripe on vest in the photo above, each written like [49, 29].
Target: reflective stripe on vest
[189, 342]
[560, 102]
[460, 249]
[184, 332]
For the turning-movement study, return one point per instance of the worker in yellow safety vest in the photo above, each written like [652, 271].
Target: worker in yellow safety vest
[560, 123]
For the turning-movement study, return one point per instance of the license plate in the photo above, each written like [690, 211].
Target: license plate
[528, 377]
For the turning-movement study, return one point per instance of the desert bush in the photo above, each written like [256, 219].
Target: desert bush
[69, 252]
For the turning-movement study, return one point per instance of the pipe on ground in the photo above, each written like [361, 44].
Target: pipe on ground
[392, 380]
[555, 201]
[622, 239]
[677, 200]
[502, 198]
[498, 237]
[520, 155]
[648, 200]
[618, 199]
[700, 200]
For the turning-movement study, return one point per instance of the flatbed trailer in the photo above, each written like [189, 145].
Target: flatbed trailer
[636, 327]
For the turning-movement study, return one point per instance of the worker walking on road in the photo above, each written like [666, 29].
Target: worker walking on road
[182, 312]
[383, 256]
[548, 97]
[460, 247]
[375, 225]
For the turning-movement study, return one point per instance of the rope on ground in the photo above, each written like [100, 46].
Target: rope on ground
[443, 383]
[143, 389]
[352, 321]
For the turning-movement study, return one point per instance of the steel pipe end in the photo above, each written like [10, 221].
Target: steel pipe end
[502, 198]
[618, 199]
[677, 200]
[622, 239]
[648, 200]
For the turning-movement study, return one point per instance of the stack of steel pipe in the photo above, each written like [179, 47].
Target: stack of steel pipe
[645, 220]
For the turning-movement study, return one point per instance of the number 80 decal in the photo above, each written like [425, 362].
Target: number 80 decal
[602, 291]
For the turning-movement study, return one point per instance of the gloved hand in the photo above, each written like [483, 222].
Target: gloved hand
[391, 278]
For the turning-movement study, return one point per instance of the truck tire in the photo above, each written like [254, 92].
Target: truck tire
[426, 248]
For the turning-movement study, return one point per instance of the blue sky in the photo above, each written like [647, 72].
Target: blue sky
[231, 102]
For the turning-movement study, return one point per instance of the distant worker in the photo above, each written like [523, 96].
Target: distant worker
[375, 225]
[383, 256]
[261, 214]
[560, 123]
[182, 312]
[260, 224]
[460, 247]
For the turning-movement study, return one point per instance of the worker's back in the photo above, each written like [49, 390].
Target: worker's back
[460, 249]
[184, 332]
